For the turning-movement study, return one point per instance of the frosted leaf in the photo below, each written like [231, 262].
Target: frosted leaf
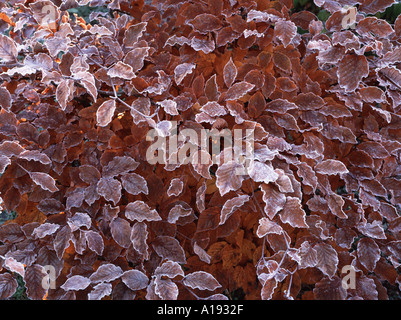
[238, 90]
[182, 70]
[229, 73]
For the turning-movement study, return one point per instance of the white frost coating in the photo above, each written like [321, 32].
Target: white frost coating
[182, 70]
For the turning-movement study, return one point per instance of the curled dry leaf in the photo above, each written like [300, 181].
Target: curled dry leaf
[175, 188]
[182, 70]
[230, 206]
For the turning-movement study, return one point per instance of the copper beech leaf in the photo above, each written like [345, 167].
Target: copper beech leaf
[134, 183]
[285, 31]
[140, 211]
[205, 23]
[76, 283]
[105, 113]
[238, 90]
[201, 280]
[121, 70]
[138, 238]
[182, 70]
[229, 177]
[170, 269]
[293, 214]
[331, 167]
[135, 279]
[110, 189]
[121, 232]
[106, 273]
[34, 279]
[44, 180]
[175, 188]
[8, 285]
[327, 259]
[100, 291]
[177, 212]
[368, 253]
[230, 206]
[169, 248]
[229, 73]
[8, 49]
[95, 242]
[267, 226]
[352, 69]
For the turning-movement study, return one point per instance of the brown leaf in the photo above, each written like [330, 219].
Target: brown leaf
[331, 167]
[327, 259]
[105, 113]
[182, 70]
[166, 289]
[230, 206]
[134, 183]
[95, 241]
[140, 211]
[44, 180]
[8, 49]
[201, 280]
[110, 189]
[8, 285]
[64, 92]
[177, 212]
[285, 31]
[76, 283]
[274, 200]
[133, 33]
[5, 98]
[175, 188]
[330, 289]
[238, 90]
[267, 226]
[205, 23]
[121, 70]
[228, 177]
[169, 248]
[352, 68]
[293, 213]
[100, 291]
[135, 279]
[368, 253]
[62, 241]
[139, 236]
[35, 277]
[121, 232]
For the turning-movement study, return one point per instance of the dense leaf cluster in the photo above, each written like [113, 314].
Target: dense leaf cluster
[79, 96]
